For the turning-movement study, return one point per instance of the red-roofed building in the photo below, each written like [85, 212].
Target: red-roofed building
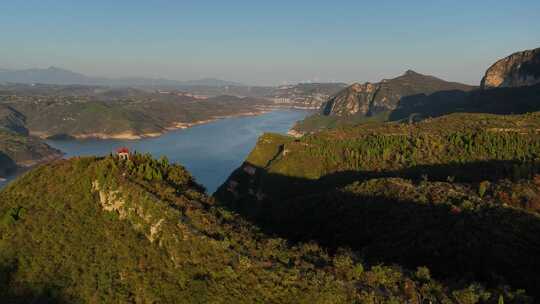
[123, 153]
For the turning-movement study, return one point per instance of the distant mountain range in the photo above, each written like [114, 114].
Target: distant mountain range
[519, 70]
[511, 85]
[54, 75]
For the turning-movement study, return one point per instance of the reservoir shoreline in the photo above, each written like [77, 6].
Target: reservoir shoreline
[210, 149]
[130, 135]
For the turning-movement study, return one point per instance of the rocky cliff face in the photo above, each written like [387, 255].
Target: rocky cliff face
[372, 98]
[305, 95]
[517, 70]
[354, 99]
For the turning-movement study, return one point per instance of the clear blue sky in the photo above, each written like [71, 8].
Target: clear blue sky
[267, 42]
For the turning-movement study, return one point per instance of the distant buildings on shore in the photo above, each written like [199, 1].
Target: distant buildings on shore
[183, 94]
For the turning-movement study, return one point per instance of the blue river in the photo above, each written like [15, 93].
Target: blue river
[210, 151]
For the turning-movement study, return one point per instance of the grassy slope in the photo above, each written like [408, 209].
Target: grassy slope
[96, 230]
[456, 138]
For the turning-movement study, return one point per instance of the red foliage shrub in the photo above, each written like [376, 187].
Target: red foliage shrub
[455, 210]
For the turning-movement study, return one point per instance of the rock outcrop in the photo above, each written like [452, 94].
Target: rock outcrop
[517, 70]
[371, 98]
[354, 99]
[305, 95]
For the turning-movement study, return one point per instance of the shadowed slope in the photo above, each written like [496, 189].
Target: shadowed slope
[470, 209]
[104, 230]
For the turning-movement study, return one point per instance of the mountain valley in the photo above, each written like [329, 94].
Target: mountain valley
[409, 190]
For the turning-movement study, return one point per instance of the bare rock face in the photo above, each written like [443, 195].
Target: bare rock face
[372, 98]
[352, 100]
[517, 70]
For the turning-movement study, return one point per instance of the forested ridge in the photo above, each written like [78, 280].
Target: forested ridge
[459, 193]
[102, 230]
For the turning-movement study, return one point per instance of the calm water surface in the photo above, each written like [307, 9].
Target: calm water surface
[210, 152]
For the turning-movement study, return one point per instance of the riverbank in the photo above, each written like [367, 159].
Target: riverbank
[210, 151]
[186, 125]
[130, 135]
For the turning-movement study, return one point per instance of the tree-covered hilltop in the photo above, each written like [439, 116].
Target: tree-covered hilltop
[383, 148]
[458, 193]
[372, 98]
[102, 230]
[368, 102]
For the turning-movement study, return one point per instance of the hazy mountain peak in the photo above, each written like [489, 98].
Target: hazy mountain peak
[411, 72]
[56, 75]
[371, 98]
[53, 68]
